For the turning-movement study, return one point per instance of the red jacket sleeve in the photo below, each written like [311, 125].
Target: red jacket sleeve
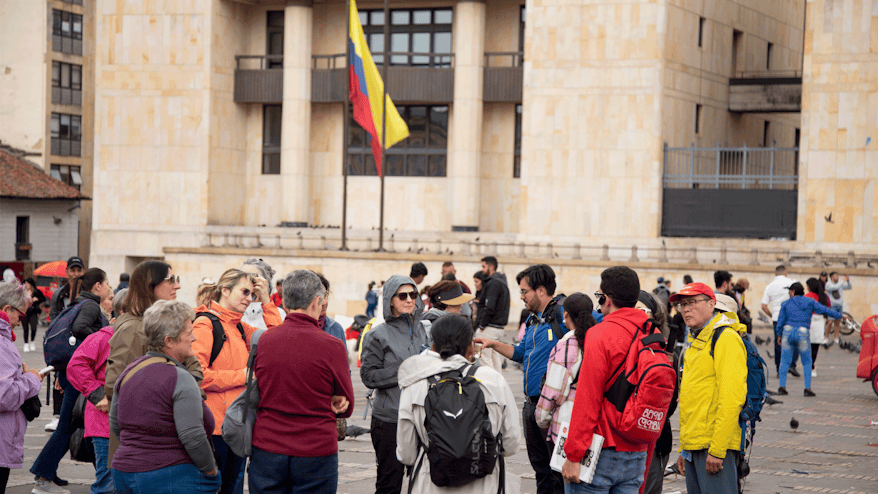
[589, 395]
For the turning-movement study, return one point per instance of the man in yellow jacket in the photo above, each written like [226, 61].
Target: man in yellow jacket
[712, 393]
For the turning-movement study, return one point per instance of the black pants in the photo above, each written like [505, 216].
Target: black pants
[539, 452]
[4, 478]
[29, 324]
[390, 470]
[814, 348]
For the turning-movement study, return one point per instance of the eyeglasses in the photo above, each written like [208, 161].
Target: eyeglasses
[20, 313]
[526, 291]
[602, 298]
[681, 306]
[172, 279]
[645, 309]
[404, 295]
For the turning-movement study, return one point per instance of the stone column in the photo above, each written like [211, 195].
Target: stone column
[295, 138]
[465, 148]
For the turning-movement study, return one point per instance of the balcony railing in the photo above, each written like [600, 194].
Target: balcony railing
[731, 168]
[766, 91]
[504, 77]
[259, 79]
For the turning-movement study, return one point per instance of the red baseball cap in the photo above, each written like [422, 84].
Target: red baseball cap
[693, 289]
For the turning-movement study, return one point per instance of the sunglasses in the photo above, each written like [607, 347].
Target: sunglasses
[172, 279]
[602, 298]
[405, 295]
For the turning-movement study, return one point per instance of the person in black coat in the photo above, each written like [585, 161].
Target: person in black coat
[31, 317]
[92, 286]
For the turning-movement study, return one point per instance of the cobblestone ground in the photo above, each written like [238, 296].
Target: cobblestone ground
[834, 449]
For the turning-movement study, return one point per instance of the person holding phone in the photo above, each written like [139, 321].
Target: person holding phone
[225, 378]
[18, 384]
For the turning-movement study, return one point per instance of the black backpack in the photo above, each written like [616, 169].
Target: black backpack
[553, 315]
[219, 334]
[461, 446]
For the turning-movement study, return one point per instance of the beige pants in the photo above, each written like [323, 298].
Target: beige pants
[489, 357]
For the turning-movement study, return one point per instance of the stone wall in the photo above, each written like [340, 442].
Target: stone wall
[838, 200]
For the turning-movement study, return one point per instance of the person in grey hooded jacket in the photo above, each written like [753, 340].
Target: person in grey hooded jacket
[385, 347]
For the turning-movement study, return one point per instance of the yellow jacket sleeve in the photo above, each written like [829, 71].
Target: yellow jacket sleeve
[730, 361]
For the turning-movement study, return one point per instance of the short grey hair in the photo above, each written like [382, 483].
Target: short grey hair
[15, 294]
[165, 318]
[265, 270]
[300, 288]
[119, 300]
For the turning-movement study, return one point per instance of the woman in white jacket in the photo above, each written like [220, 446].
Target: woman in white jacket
[453, 348]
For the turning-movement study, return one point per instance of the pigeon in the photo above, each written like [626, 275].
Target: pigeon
[760, 341]
[794, 424]
[356, 430]
[771, 401]
[829, 218]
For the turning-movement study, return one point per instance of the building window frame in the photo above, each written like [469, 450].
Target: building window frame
[698, 111]
[22, 238]
[69, 174]
[274, 37]
[415, 26]
[701, 21]
[66, 83]
[272, 122]
[423, 154]
[516, 154]
[66, 32]
[66, 134]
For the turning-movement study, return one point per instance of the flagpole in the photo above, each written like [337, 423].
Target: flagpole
[384, 122]
[345, 131]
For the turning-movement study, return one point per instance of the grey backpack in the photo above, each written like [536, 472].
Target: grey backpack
[241, 414]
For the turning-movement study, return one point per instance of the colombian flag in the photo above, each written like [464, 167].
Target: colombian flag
[366, 91]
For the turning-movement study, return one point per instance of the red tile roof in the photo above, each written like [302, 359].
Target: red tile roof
[22, 180]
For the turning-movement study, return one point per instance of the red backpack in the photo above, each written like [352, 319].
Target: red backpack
[642, 387]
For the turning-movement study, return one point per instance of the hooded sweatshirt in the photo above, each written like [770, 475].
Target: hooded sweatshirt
[494, 302]
[502, 411]
[87, 372]
[386, 346]
[15, 388]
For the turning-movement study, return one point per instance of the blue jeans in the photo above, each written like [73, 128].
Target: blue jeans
[177, 479]
[103, 476]
[617, 473]
[230, 466]
[795, 339]
[47, 462]
[778, 350]
[273, 473]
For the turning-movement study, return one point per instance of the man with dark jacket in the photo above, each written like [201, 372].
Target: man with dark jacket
[61, 297]
[537, 285]
[493, 311]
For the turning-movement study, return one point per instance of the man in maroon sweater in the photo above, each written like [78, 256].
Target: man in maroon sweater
[305, 385]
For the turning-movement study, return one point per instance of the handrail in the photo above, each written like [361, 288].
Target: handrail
[332, 60]
[263, 59]
[517, 58]
[768, 74]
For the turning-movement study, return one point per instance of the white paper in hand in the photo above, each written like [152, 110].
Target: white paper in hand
[589, 462]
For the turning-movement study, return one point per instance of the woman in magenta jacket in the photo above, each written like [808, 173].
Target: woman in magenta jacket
[86, 372]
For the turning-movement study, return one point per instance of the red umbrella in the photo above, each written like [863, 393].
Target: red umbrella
[52, 269]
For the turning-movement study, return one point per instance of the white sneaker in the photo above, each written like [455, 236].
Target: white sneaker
[814, 373]
[51, 426]
[836, 341]
[33, 348]
[47, 487]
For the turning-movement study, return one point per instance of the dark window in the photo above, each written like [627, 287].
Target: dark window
[413, 32]
[66, 84]
[274, 38]
[70, 175]
[516, 160]
[797, 138]
[521, 29]
[422, 154]
[76, 2]
[271, 122]
[697, 119]
[66, 32]
[737, 56]
[66, 134]
[22, 238]
[765, 130]
[768, 56]
[700, 31]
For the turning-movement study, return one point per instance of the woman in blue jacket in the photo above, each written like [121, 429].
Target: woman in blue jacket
[794, 320]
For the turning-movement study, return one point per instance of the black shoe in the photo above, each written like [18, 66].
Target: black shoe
[771, 401]
[782, 391]
[59, 481]
[794, 372]
[808, 392]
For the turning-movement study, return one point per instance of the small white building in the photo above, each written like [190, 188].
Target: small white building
[39, 214]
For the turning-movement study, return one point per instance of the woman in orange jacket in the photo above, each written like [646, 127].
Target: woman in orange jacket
[226, 376]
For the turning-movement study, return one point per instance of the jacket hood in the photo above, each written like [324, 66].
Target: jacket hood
[427, 364]
[87, 296]
[390, 288]
[225, 315]
[107, 330]
[434, 314]
[501, 277]
[5, 329]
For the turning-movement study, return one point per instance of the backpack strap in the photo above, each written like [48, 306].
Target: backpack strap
[137, 368]
[716, 333]
[219, 334]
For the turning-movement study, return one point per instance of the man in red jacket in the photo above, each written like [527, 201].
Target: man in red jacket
[304, 386]
[621, 464]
